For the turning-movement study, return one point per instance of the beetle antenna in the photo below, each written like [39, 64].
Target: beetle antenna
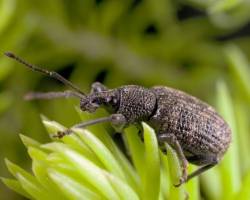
[52, 74]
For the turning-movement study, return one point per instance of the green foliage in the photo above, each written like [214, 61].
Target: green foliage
[66, 170]
[148, 42]
[87, 165]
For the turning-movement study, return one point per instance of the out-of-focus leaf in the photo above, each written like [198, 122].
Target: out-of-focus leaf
[212, 184]
[5, 101]
[192, 186]
[230, 169]
[16, 186]
[244, 192]
[33, 189]
[28, 182]
[29, 142]
[7, 10]
[239, 66]
[242, 119]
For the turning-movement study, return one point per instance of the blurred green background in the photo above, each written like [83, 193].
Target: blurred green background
[191, 45]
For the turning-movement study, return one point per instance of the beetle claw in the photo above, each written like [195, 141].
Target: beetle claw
[181, 181]
[61, 134]
[184, 176]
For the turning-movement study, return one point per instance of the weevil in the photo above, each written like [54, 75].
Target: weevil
[196, 132]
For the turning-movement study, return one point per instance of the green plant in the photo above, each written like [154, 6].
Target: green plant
[89, 165]
[83, 166]
[143, 42]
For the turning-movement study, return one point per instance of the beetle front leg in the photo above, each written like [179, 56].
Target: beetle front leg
[173, 142]
[118, 121]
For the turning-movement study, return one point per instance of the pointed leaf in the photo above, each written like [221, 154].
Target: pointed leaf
[72, 189]
[151, 180]
[88, 170]
[124, 191]
[136, 149]
[35, 190]
[101, 151]
[29, 142]
[230, 169]
[16, 186]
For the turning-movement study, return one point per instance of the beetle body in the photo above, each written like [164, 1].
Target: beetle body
[193, 128]
[201, 132]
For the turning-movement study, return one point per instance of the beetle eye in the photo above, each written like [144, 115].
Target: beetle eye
[95, 101]
[114, 100]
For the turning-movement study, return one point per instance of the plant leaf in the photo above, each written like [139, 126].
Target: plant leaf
[101, 152]
[151, 179]
[88, 170]
[16, 186]
[73, 190]
[124, 190]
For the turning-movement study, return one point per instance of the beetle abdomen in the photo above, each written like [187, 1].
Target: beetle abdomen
[197, 126]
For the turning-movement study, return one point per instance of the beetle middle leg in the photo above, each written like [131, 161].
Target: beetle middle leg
[174, 143]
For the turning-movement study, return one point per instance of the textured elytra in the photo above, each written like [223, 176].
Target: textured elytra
[201, 132]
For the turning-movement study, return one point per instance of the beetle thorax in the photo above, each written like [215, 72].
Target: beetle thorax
[136, 103]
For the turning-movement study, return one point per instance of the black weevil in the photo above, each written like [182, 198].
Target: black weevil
[196, 132]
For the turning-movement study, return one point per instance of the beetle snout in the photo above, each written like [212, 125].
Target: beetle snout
[87, 104]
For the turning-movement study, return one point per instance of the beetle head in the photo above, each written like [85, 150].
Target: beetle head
[109, 99]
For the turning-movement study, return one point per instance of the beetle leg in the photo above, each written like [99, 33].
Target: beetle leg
[207, 161]
[172, 140]
[201, 170]
[117, 120]
[51, 95]
[98, 87]
[140, 131]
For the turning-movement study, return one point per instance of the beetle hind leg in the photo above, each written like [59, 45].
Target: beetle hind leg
[208, 161]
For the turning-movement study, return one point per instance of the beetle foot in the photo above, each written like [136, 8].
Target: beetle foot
[61, 134]
[181, 181]
[184, 176]
[163, 148]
